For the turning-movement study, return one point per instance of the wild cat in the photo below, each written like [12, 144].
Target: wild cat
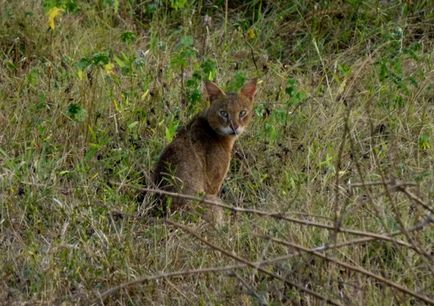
[197, 160]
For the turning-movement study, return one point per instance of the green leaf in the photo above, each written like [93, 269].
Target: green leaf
[186, 41]
[424, 142]
[132, 125]
[209, 68]
[101, 58]
[170, 130]
[76, 112]
[83, 63]
[67, 5]
[237, 82]
[178, 4]
[128, 37]
[291, 88]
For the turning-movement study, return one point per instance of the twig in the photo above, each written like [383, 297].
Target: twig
[105, 294]
[337, 217]
[419, 226]
[389, 182]
[343, 99]
[275, 215]
[250, 290]
[415, 198]
[366, 186]
[102, 296]
[400, 186]
[393, 205]
[353, 268]
[251, 264]
[252, 53]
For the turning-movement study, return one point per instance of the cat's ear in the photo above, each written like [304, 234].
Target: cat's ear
[213, 90]
[249, 89]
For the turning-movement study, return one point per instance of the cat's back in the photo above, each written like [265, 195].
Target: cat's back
[188, 147]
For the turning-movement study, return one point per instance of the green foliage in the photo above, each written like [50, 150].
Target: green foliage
[126, 63]
[206, 71]
[424, 142]
[185, 53]
[277, 122]
[68, 5]
[128, 37]
[178, 4]
[112, 3]
[295, 97]
[209, 69]
[97, 59]
[170, 130]
[76, 112]
[236, 82]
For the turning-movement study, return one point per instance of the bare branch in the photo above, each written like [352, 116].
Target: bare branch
[400, 186]
[389, 182]
[353, 268]
[275, 215]
[250, 290]
[428, 220]
[415, 198]
[231, 268]
[251, 264]
[393, 204]
[102, 296]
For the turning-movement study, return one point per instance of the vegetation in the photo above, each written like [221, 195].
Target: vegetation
[341, 147]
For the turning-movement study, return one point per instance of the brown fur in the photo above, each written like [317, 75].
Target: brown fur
[197, 160]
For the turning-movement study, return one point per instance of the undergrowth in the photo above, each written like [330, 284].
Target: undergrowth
[91, 91]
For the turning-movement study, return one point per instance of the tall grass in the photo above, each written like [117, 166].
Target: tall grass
[339, 158]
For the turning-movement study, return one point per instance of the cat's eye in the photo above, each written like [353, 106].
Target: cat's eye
[223, 114]
[243, 113]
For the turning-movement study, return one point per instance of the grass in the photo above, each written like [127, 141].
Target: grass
[86, 107]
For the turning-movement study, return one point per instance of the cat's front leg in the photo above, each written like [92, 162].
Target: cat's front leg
[214, 214]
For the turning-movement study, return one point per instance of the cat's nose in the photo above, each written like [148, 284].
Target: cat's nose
[235, 129]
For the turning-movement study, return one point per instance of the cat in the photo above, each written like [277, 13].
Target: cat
[198, 158]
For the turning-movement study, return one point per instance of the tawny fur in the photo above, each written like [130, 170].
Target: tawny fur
[197, 160]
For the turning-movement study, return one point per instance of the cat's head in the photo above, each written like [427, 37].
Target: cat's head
[229, 113]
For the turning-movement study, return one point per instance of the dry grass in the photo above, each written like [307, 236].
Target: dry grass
[329, 195]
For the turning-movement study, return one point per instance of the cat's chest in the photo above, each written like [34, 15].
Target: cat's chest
[217, 164]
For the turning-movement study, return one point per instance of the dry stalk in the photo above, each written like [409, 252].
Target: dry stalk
[353, 268]
[399, 186]
[428, 220]
[251, 264]
[376, 183]
[343, 99]
[102, 296]
[415, 198]
[250, 290]
[275, 215]
[393, 205]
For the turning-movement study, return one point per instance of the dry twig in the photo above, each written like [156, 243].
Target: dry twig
[102, 296]
[252, 265]
[353, 268]
[275, 215]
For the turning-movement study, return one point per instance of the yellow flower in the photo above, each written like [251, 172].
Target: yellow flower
[109, 68]
[251, 33]
[52, 14]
